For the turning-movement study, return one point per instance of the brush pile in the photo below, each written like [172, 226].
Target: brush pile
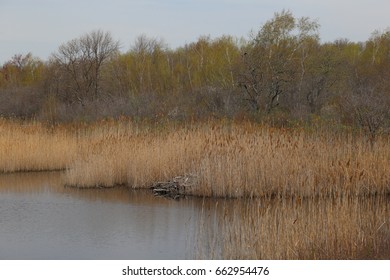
[175, 188]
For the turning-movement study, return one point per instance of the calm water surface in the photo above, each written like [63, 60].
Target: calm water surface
[40, 219]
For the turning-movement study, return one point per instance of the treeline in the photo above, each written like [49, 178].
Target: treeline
[282, 74]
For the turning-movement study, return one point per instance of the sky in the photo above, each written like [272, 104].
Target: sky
[41, 26]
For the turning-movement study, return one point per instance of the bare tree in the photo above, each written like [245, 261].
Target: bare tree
[370, 89]
[80, 61]
[371, 112]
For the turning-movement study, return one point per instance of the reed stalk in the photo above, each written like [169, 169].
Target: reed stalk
[227, 159]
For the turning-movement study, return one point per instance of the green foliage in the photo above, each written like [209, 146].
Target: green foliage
[283, 75]
[274, 63]
[21, 70]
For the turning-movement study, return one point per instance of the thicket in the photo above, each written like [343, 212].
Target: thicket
[283, 75]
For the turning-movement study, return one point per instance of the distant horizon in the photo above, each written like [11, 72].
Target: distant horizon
[40, 27]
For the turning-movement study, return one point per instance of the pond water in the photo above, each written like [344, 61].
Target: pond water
[41, 219]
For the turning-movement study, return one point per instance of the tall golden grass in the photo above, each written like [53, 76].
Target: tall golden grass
[227, 159]
[34, 147]
[342, 228]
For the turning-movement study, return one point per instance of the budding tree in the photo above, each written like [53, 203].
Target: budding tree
[273, 60]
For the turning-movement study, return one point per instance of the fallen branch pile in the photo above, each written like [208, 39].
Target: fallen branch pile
[175, 188]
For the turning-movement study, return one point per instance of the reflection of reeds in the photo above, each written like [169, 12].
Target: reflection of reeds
[288, 229]
[31, 182]
[230, 160]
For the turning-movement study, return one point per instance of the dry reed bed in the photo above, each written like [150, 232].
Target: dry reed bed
[34, 147]
[268, 162]
[236, 160]
[228, 160]
[130, 155]
[342, 228]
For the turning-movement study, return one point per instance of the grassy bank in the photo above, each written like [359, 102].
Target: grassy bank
[227, 159]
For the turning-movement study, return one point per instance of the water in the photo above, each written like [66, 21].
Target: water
[40, 219]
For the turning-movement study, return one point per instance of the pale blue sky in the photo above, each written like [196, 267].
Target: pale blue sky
[40, 26]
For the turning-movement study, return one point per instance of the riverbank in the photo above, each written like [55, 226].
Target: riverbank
[228, 159]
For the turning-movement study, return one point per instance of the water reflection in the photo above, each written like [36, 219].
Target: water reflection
[40, 219]
[342, 228]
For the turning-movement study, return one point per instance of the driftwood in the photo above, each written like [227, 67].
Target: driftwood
[175, 188]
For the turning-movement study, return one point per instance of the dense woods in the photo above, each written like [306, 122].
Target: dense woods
[283, 75]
